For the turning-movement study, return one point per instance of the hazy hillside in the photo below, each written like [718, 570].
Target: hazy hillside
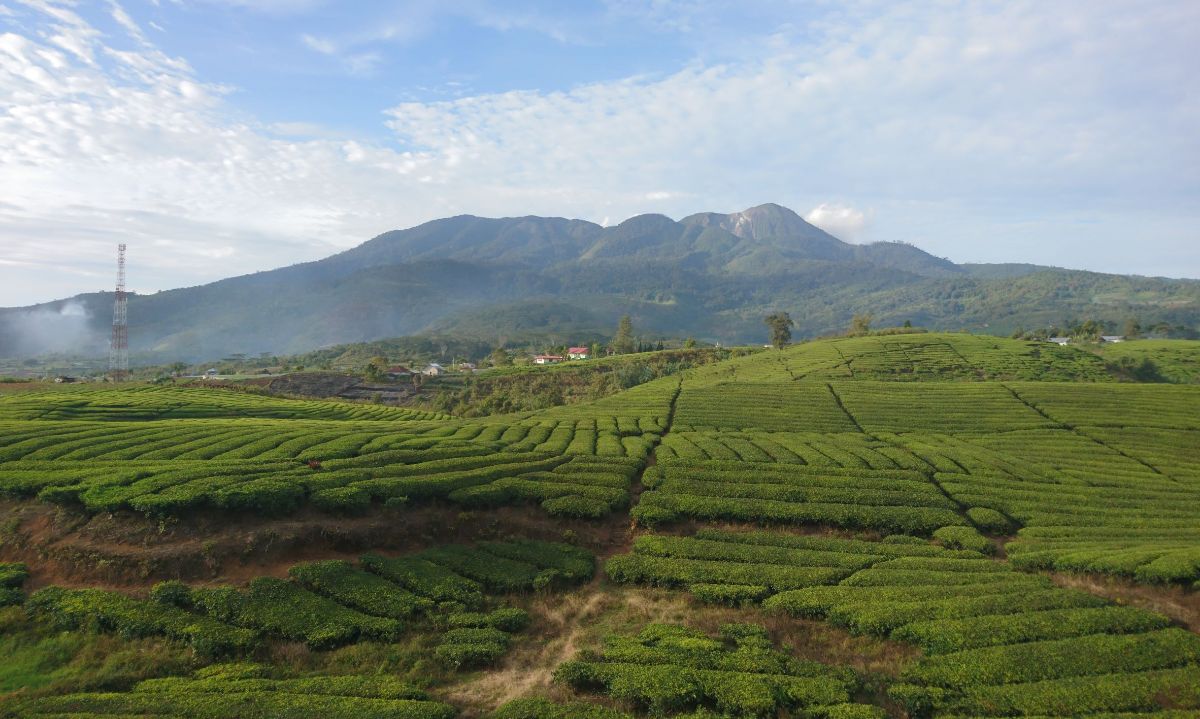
[709, 275]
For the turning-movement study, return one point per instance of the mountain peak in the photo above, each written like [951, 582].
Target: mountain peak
[773, 221]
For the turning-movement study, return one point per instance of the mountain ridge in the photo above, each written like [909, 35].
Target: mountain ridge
[711, 275]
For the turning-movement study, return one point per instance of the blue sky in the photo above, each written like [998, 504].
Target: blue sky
[219, 137]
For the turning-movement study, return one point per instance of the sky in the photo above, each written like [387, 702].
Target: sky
[221, 137]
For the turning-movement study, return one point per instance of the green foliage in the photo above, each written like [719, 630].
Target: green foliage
[287, 610]
[132, 618]
[669, 668]
[467, 647]
[352, 587]
[964, 538]
[780, 324]
[989, 520]
[217, 696]
[172, 593]
[545, 709]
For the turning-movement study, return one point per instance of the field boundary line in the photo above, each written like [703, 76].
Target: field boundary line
[854, 420]
[1076, 431]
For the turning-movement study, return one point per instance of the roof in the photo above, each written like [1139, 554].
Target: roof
[434, 364]
[1112, 338]
[398, 369]
[578, 350]
[548, 357]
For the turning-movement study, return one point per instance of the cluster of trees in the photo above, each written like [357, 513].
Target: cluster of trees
[780, 325]
[1092, 330]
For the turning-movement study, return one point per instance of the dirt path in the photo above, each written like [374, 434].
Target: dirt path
[558, 629]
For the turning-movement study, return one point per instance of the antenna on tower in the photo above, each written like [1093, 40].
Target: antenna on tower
[118, 350]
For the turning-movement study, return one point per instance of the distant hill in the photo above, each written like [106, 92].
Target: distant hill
[710, 275]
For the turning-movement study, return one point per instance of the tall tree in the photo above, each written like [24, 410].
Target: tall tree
[861, 324]
[623, 341]
[500, 357]
[781, 325]
[376, 368]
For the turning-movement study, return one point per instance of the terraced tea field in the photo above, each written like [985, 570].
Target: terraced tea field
[924, 525]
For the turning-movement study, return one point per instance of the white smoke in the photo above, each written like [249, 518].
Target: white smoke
[61, 327]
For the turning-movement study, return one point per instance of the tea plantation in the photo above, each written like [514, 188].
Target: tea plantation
[922, 525]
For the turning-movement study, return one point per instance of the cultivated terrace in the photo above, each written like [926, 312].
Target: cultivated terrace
[920, 525]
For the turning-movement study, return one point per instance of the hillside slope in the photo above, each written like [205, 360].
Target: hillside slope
[924, 525]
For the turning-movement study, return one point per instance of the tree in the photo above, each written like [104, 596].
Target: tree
[861, 324]
[689, 343]
[1133, 328]
[1087, 330]
[500, 358]
[376, 368]
[623, 341]
[781, 325]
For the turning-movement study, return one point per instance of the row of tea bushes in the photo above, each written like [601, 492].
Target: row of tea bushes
[671, 668]
[331, 603]
[246, 691]
[882, 500]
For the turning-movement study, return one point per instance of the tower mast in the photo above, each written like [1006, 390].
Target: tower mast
[118, 350]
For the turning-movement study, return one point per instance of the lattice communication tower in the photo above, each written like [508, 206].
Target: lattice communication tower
[118, 350]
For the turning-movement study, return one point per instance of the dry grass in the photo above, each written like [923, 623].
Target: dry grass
[1176, 602]
[561, 624]
[567, 623]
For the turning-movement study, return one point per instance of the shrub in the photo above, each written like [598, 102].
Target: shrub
[356, 588]
[546, 709]
[850, 711]
[989, 520]
[964, 538]
[573, 505]
[426, 579]
[172, 593]
[289, 611]
[132, 618]
[343, 500]
[13, 574]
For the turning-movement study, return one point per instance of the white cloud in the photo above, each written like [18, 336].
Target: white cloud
[845, 223]
[932, 117]
[325, 47]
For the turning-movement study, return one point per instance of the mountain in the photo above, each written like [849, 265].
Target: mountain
[710, 275]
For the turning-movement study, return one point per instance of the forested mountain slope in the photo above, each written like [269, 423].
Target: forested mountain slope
[712, 276]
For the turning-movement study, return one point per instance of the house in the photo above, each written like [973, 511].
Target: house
[1112, 338]
[64, 379]
[1060, 340]
[466, 366]
[548, 359]
[211, 372]
[578, 353]
[433, 369]
[397, 372]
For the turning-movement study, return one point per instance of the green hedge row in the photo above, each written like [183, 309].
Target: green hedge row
[347, 585]
[129, 617]
[288, 610]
